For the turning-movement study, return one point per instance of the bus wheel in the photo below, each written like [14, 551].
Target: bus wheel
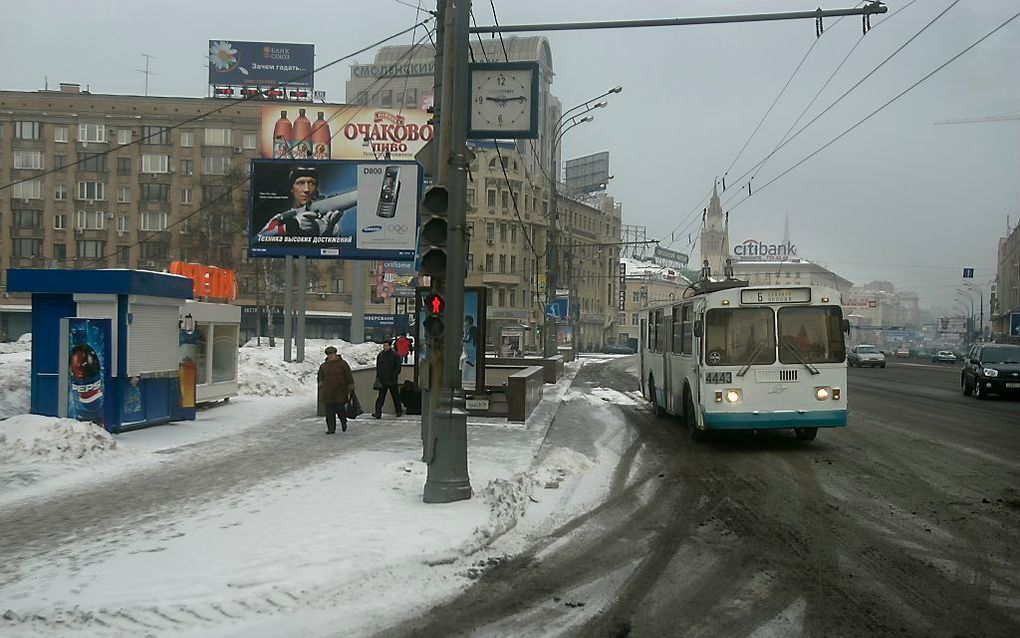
[697, 435]
[806, 434]
[659, 410]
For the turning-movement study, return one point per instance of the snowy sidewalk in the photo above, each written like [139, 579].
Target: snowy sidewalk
[189, 540]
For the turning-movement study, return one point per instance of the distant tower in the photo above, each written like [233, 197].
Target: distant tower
[715, 234]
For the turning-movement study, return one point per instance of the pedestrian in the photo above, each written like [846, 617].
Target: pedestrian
[387, 376]
[403, 347]
[336, 381]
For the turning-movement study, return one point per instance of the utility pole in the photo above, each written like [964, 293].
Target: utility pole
[146, 71]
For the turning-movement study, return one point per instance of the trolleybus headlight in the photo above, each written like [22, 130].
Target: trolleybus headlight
[733, 395]
[718, 396]
[835, 394]
[822, 393]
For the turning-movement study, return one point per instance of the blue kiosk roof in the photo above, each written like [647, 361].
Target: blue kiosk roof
[115, 281]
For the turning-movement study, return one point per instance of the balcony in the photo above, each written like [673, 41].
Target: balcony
[502, 279]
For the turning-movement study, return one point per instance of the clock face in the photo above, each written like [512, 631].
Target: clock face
[501, 100]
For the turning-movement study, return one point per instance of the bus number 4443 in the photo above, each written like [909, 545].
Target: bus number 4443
[719, 377]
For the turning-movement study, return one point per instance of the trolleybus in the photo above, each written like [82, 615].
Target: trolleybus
[731, 356]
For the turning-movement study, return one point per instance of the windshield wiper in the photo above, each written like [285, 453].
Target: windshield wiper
[792, 348]
[747, 364]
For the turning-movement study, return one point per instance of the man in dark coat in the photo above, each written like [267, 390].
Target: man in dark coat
[336, 382]
[387, 376]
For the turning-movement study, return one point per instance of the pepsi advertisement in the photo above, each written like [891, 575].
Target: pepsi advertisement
[86, 370]
[334, 209]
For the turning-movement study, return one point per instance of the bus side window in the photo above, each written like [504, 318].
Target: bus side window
[688, 329]
[677, 331]
[644, 335]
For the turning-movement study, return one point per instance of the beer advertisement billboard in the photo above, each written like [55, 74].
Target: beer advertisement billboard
[342, 132]
[261, 64]
[334, 209]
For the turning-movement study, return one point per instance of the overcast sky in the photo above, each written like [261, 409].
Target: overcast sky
[898, 198]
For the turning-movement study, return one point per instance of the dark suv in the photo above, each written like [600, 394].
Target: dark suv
[991, 368]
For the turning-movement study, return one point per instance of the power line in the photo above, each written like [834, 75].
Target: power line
[883, 106]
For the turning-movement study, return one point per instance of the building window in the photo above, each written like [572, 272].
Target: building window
[513, 235]
[633, 318]
[60, 221]
[123, 255]
[513, 264]
[26, 218]
[213, 193]
[155, 135]
[154, 250]
[31, 189]
[94, 162]
[513, 297]
[60, 192]
[248, 141]
[187, 167]
[502, 264]
[488, 262]
[92, 191]
[501, 298]
[32, 160]
[155, 163]
[502, 232]
[122, 223]
[91, 248]
[337, 285]
[123, 136]
[187, 139]
[91, 219]
[92, 133]
[60, 251]
[185, 195]
[123, 165]
[60, 134]
[155, 192]
[26, 247]
[471, 197]
[123, 195]
[490, 232]
[216, 165]
[490, 197]
[470, 262]
[153, 221]
[27, 131]
[504, 198]
[59, 161]
[219, 137]
[635, 296]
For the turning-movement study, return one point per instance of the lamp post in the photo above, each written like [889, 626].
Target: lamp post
[981, 307]
[964, 295]
[552, 244]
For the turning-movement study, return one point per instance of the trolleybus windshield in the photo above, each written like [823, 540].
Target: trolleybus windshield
[811, 334]
[740, 336]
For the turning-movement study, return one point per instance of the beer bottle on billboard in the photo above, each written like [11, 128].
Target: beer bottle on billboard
[320, 138]
[302, 147]
[86, 380]
[283, 133]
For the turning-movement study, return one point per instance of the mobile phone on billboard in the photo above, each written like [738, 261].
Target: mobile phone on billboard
[389, 192]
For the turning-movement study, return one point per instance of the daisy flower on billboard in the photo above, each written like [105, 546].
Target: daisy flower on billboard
[222, 55]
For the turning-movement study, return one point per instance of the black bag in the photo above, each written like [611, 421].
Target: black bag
[377, 385]
[353, 407]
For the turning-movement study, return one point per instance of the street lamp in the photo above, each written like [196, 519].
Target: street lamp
[552, 256]
[981, 306]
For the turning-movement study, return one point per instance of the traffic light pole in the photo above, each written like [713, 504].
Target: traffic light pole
[448, 479]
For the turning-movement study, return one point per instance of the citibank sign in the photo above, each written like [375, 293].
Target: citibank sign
[752, 248]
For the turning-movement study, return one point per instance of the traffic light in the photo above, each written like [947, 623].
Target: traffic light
[434, 307]
[434, 229]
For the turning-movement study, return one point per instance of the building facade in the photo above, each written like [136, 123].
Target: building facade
[1006, 298]
[647, 284]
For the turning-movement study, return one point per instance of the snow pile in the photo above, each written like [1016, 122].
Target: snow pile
[24, 344]
[261, 370]
[30, 437]
[508, 498]
[600, 396]
[15, 389]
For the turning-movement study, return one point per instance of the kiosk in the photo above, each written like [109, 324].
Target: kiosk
[106, 345]
[209, 341]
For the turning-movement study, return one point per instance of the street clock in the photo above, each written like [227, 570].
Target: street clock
[504, 100]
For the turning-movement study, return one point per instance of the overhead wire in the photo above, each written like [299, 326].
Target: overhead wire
[883, 106]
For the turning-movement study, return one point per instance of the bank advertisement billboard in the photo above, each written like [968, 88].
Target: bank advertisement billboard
[334, 209]
[342, 132]
[261, 64]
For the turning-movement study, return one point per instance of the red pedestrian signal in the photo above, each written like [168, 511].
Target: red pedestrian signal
[434, 307]
[435, 304]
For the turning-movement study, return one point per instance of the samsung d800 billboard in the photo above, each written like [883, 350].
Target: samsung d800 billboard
[340, 209]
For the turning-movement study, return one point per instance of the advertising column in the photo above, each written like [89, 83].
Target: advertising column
[85, 376]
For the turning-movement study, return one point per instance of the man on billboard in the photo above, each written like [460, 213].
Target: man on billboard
[308, 214]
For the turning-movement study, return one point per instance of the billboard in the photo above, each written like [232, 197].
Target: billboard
[394, 279]
[587, 174]
[85, 377]
[342, 132]
[261, 64]
[667, 257]
[952, 325]
[334, 209]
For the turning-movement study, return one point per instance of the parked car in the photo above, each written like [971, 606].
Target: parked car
[944, 356]
[902, 353]
[865, 355]
[991, 368]
[617, 349]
